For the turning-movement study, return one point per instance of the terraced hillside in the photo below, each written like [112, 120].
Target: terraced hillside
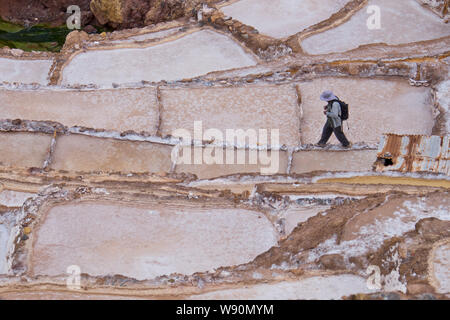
[179, 160]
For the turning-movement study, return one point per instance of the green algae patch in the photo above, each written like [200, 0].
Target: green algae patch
[35, 38]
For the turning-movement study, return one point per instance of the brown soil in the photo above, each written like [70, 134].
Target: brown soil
[30, 12]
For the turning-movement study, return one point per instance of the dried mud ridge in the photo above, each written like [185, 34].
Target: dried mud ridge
[327, 227]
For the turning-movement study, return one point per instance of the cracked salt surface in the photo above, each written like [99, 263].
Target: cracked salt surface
[371, 236]
[402, 21]
[24, 71]
[282, 18]
[314, 288]
[192, 55]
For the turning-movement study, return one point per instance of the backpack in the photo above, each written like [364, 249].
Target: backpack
[344, 109]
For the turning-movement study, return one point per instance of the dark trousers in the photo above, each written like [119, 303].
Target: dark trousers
[328, 130]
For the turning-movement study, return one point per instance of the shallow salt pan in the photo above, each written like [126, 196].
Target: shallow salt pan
[190, 56]
[24, 71]
[117, 109]
[148, 241]
[24, 149]
[402, 21]
[308, 161]
[267, 163]
[9, 198]
[314, 288]
[82, 153]
[376, 107]
[281, 18]
[253, 107]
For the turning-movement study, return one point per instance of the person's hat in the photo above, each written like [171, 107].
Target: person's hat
[327, 96]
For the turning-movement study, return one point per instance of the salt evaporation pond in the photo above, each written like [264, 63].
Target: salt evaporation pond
[144, 242]
[192, 55]
[24, 71]
[376, 107]
[282, 18]
[314, 288]
[402, 21]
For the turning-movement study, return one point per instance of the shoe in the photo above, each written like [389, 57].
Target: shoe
[348, 146]
[322, 145]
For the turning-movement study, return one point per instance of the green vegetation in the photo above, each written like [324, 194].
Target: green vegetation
[38, 38]
[9, 27]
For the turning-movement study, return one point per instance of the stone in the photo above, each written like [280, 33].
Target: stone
[107, 10]
[90, 29]
[16, 52]
[75, 38]
[153, 14]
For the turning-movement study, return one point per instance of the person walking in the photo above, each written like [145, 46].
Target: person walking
[333, 111]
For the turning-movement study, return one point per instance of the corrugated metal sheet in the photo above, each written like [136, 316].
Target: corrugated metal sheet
[414, 153]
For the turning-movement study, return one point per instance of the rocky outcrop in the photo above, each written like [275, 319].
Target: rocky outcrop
[137, 13]
[75, 39]
[30, 12]
[118, 14]
[124, 13]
